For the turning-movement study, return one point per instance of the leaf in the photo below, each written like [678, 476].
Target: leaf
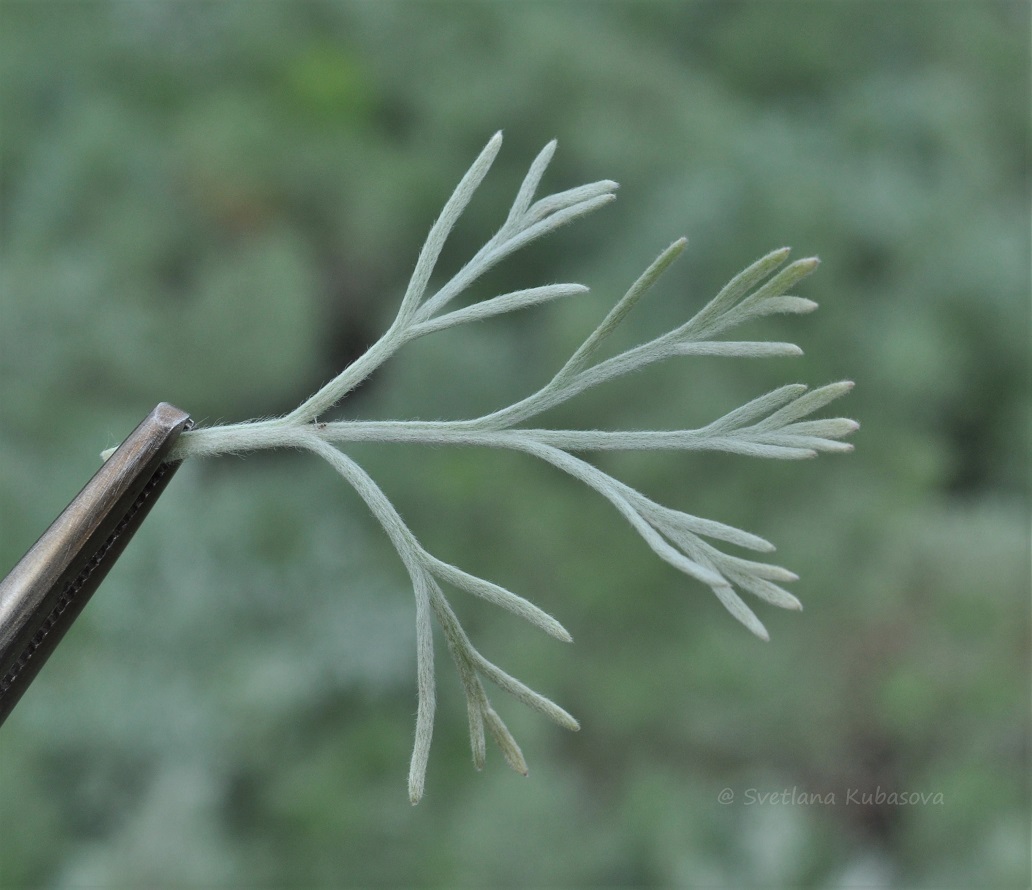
[761, 406]
[768, 426]
[425, 687]
[510, 302]
[668, 521]
[737, 348]
[443, 225]
[530, 184]
[734, 604]
[499, 596]
[560, 201]
[735, 289]
[812, 401]
[617, 314]
[510, 750]
[782, 305]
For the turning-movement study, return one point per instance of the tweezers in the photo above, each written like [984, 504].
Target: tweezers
[46, 591]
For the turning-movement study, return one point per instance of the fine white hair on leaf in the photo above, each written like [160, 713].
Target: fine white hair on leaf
[771, 425]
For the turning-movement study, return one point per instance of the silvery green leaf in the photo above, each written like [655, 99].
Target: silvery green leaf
[735, 605]
[530, 185]
[504, 244]
[500, 732]
[826, 428]
[550, 223]
[770, 592]
[737, 348]
[617, 314]
[665, 520]
[791, 275]
[553, 204]
[736, 567]
[736, 289]
[476, 732]
[526, 695]
[750, 447]
[814, 443]
[767, 426]
[493, 593]
[510, 302]
[761, 406]
[443, 224]
[425, 686]
[782, 305]
[610, 490]
[812, 401]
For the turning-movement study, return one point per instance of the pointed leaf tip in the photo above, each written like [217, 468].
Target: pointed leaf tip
[733, 603]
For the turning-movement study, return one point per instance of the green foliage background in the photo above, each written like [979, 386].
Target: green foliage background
[218, 204]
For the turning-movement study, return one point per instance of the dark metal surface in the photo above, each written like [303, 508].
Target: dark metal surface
[47, 589]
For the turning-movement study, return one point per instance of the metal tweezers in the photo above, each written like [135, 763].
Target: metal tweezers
[45, 592]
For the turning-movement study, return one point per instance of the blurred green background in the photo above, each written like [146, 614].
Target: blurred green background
[218, 204]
